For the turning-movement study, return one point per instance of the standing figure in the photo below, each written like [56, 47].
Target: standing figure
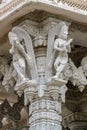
[84, 65]
[18, 53]
[62, 46]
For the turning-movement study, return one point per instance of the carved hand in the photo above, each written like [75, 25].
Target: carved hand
[20, 48]
[69, 41]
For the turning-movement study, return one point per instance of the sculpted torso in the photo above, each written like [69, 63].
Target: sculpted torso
[63, 56]
[17, 57]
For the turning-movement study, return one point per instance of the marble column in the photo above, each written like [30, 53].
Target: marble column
[44, 89]
[45, 101]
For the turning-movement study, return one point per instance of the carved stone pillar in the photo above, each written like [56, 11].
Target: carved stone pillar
[42, 89]
[45, 114]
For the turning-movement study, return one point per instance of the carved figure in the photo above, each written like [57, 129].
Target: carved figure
[19, 56]
[75, 73]
[82, 79]
[84, 65]
[78, 77]
[63, 90]
[4, 65]
[83, 74]
[8, 72]
[62, 46]
[10, 78]
[67, 72]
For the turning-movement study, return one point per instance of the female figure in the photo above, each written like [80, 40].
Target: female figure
[18, 52]
[62, 46]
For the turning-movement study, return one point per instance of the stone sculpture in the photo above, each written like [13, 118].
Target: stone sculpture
[5, 70]
[82, 82]
[10, 78]
[67, 72]
[19, 55]
[78, 77]
[84, 65]
[62, 46]
[75, 73]
[21, 61]
[4, 65]
[43, 90]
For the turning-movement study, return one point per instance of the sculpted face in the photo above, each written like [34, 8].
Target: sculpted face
[64, 32]
[13, 41]
[12, 37]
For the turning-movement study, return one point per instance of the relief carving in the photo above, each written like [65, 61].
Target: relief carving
[10, 78]
[8, 73]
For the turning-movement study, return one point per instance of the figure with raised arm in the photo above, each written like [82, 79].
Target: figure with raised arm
[62, 47]
[19, 54]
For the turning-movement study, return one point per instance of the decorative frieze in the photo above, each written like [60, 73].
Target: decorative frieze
[45, 114]
[45, 125]
[70, 4]
[45, 104]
